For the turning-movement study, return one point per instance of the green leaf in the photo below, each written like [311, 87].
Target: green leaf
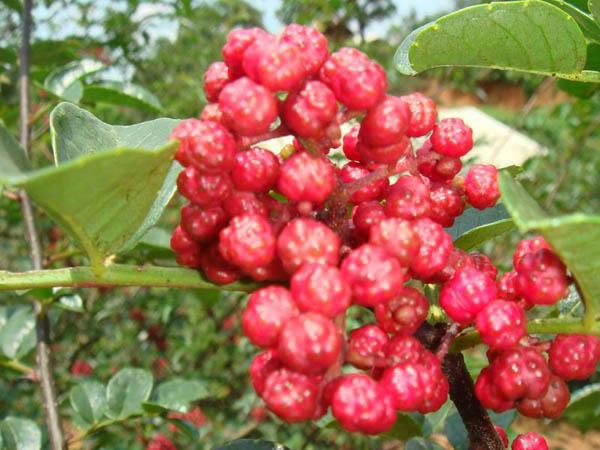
[478, 235]
[405, 427]
[177, 394]
[122, 94]
[584, 407]
[8, 55]
[88, 400]
[64, 81]
[474, 218]
[251, 444]
[20, 434]
[456, 432]
[594, 6]
[15, 5]
[13, 162]
[530, 36]
[72, 302]
[50, 53]
[419, 443]
[434, 422]
[17, 336]
[587, 24]
[574, 237]
[126, 392]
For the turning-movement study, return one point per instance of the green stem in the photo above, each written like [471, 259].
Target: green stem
[115, 275]
[16, 366]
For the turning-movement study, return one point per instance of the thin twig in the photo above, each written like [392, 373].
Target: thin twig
[447, 340]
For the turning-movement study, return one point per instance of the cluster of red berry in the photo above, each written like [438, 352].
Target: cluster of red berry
[342, 236]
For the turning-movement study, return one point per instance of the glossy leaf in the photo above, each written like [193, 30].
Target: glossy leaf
[584, 407]
[122, 94]
[17, 336]
[531, 36]
[474, 219]
[480, 234]
[13, 162]
[126, 392]
[64, 81]
[574, 237]
[88, 400]
[177, 394]
[71, 302]
[20, 434]
[251, 444]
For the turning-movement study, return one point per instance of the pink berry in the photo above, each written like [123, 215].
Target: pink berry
[529, 246]
[210, 112]
[551, 405]
[409, 198]
[309, 343]
[388, 154]
[350, 141]
[268, 311]
[484, 264]
[292, 396]
[386, 123]
[204, 189]
[403, 314]
[574, 356]
[374, 274]
[466, 294]
[402, 348]
[397, 237]
[435, 166]
[521, 372]
[423, 114]
[203, 224]
[263, 365]
[446, 204]
[271, 272]
[182, 241]
[502, 435]
[488, 393]
[354, 171]
[529, 441]
[255, 170]
[365, 215]
[242, 202]
[238, 40]
[248, 241]
[481, 186]
[216, 268]
[304, 241]
[307, 112]
[501, 324]
[506, 286]
[320, 288]
[435, 247]
[452, 137]
[312, 43]
[248, 108]
[306, 178]
[366, 346]
[457, 260]
[215, 79]
[541, 278]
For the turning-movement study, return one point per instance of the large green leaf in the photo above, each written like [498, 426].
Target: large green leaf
[17, 335]
[122, 94]
[177, 394]
[589, 27]
[251, 444]
[531, 36]
[474, 221]
[584, 407]
[594, 6]
[13, 162]
[20, 434]
[64, 81]
[575, 237]
[88, 400]
[127, 391]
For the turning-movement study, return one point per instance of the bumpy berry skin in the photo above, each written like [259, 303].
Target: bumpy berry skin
[269, 309]
[309, 343]
[452, 137]
[358, 82]
[488, 393]
[397, 237]
[354, 171]
[210, 112]
[529, 246]
[435, 247]
[361, 405]
[484, 264]
[466, 294]
[366, 346]
[261, 367]
[312, 43]
[374, 275]
[204, 189]
[521, 372]
[408, 198]
[386, 123]
[574, 356]
[243, 202]
[423, 114]
[529, 441]
[388, 154]
[446, 204]
[481, 186]
[403, 314]
[248, 108]
[304, 241]
[551, 405]
[238, 41]
[435, 166]
[320, 288]
[160, 442]
[182, 241]
[502, 434]
[271, 272]
[216, 268]
[203, 224]
[349, 144]
[541, 278]
[501, 324]
[255, 170]
[248, 241]
[308, 111]
[401, 348]
[215, 79]
[506, 286]
[292, 396]
[365, 215]
[306, 178]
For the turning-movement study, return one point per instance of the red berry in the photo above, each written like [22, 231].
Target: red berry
[374, 274]
[446, 204]
[238, 41]
[574, 356]
[435, 247]
[501, 324]
[312, 43]
[210, 112]
[292, 396]
[307, 241]
[467, 293]
[309, 343]
[488, 393]
[506, 286]
[320, 288]
[307, 112]
[521, 372]
[457, 260]
[365, 215]
[403, 314]
[268, 311]
[551, 405]
[435, 166]
[160, 442]
[271, 272]
[452, 137]
[409, 198]
[248, 108]
[484, 264]
[350, 141]
[481, 186]
[255, 170]
[354, 171]
[242, 202]
[216, 268]
[435, 384]
[385, 123]
[215, 79]
[202, 224]
[529, 441]
[529, 246]
[388, 154]
[361, 405]
[541, 278]
[306, 178]
[204, 189]
[263, 365]
[423, 114]
[366, 346]
[81, 368]
[401, 348]
[248, 241]
[187, 250]
[502, 435]
[397, 237]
